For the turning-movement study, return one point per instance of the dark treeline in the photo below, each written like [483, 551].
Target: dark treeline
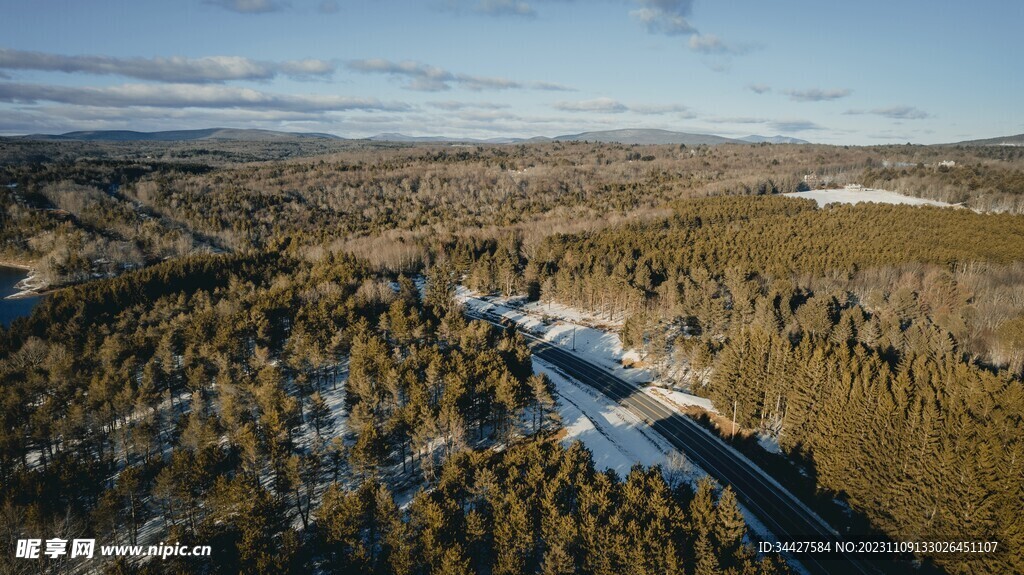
[881, 344]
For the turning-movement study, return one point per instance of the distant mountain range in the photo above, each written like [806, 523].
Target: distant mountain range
[394, 137]
[773, 140]
[627, 136]
[181, 135]
[1017, 140]
[647, 137]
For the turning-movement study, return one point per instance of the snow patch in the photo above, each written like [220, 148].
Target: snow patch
[858, 195]
[678, 400]
[616, 438]
[769, 443]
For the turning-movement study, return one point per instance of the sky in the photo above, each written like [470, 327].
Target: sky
[852, 72]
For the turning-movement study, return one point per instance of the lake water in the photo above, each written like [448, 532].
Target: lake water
[11, 309]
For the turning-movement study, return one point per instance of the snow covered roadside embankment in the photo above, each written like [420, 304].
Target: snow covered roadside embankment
[590, 338]
[616, 438]
[564, 327]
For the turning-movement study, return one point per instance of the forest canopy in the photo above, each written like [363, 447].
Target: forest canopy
[259, 346]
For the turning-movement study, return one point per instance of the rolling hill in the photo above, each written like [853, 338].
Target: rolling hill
[1017, 140]
[233, 134]
[647, 136]
[624, 136]
[755, 139]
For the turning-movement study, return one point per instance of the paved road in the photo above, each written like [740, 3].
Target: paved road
[776, 508]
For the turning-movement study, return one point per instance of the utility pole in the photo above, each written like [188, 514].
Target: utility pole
[574, 337]
[734, 402]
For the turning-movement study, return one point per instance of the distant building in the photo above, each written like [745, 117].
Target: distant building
[947, 164]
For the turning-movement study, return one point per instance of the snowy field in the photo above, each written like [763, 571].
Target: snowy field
[854, 196]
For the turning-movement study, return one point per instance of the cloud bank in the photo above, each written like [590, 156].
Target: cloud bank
[175, 69]
[426, 78]
[669, 17]
[817, 94]
[187, 96]
[249, 6]
[895, 113]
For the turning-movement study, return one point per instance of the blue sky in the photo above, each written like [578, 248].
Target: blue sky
[866, 72]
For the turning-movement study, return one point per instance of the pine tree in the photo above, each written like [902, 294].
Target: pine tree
[319, 413]
[454, 562]
[729, 525]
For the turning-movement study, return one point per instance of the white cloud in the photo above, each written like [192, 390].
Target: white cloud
[712, 44]
[736, 120]
[795, 126]
[187, 95]
[669, 17]
[660, 109]
[426, 78]
[818, 94]
[895, 113]
[165, 69]
[612, 106]
[514, 8]
[602, 105]
[505, 8]
[456, 105]
[249, 6]
[421, 76]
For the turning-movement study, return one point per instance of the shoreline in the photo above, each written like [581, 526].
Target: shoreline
[28, 294]
[26, 286]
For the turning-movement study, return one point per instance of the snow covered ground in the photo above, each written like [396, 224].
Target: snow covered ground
[565, 327]
[678, 399]
[854, 196]
[617, 438]
[596, 340]
[769, 443]
[333, 394]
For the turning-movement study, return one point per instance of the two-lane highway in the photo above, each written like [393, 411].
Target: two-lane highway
[778, 509]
